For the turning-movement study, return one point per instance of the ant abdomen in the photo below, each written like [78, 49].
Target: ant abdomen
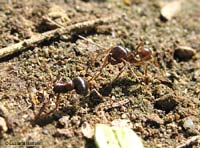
[80, 85]
[117, 55]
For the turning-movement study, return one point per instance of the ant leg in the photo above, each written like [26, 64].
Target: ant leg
[157, 66]
[92, 42]
[98, 94]
[89, 64]
[132, 71]
[141, 45]
[105, 63]
[41, 110]
[44, 106]
[57, 105]
[141, 63]
[146, 78]
[120, 72]
[103, 52]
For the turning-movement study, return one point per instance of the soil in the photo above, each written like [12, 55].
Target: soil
[158, 110]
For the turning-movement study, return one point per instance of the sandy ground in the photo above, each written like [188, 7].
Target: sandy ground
[159, 111]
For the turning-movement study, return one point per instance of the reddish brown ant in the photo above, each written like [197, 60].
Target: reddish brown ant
[118, 54]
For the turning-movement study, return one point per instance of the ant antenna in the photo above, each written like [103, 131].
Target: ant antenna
[98, 54]
[90, 41]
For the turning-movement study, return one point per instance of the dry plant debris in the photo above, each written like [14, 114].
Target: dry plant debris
[171, 9]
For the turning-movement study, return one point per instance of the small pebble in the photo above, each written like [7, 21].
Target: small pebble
[63, 132]
[184, 53]
[154, 120]
[3, 125]
[188, 124]
[55, 11]
[45, 132]
[122, 123]
[46, 51]
[3, 111]
[64, 121]
[190, 127]
[169, 118]
[170, 10]
[127, 2]
[138, 127]
[159, 145]
[87, 130]
[124, 116]
[196, 75]
[79, 68]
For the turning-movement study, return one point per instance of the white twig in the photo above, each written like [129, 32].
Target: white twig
[189, 142]
[39, 38]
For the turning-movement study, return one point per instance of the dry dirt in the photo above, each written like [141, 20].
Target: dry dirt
[157, 111]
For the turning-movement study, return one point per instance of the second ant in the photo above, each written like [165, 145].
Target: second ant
[78, 84]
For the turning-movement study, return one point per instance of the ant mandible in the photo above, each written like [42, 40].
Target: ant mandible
[118, 54]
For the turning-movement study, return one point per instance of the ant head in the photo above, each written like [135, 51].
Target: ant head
[143, 53]
[63, 87]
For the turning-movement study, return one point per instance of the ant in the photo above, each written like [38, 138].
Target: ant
[79, 84]
[118, 54]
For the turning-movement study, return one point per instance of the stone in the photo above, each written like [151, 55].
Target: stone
[3, 125]
[154, 120]
[87, 130]
[184, 53]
